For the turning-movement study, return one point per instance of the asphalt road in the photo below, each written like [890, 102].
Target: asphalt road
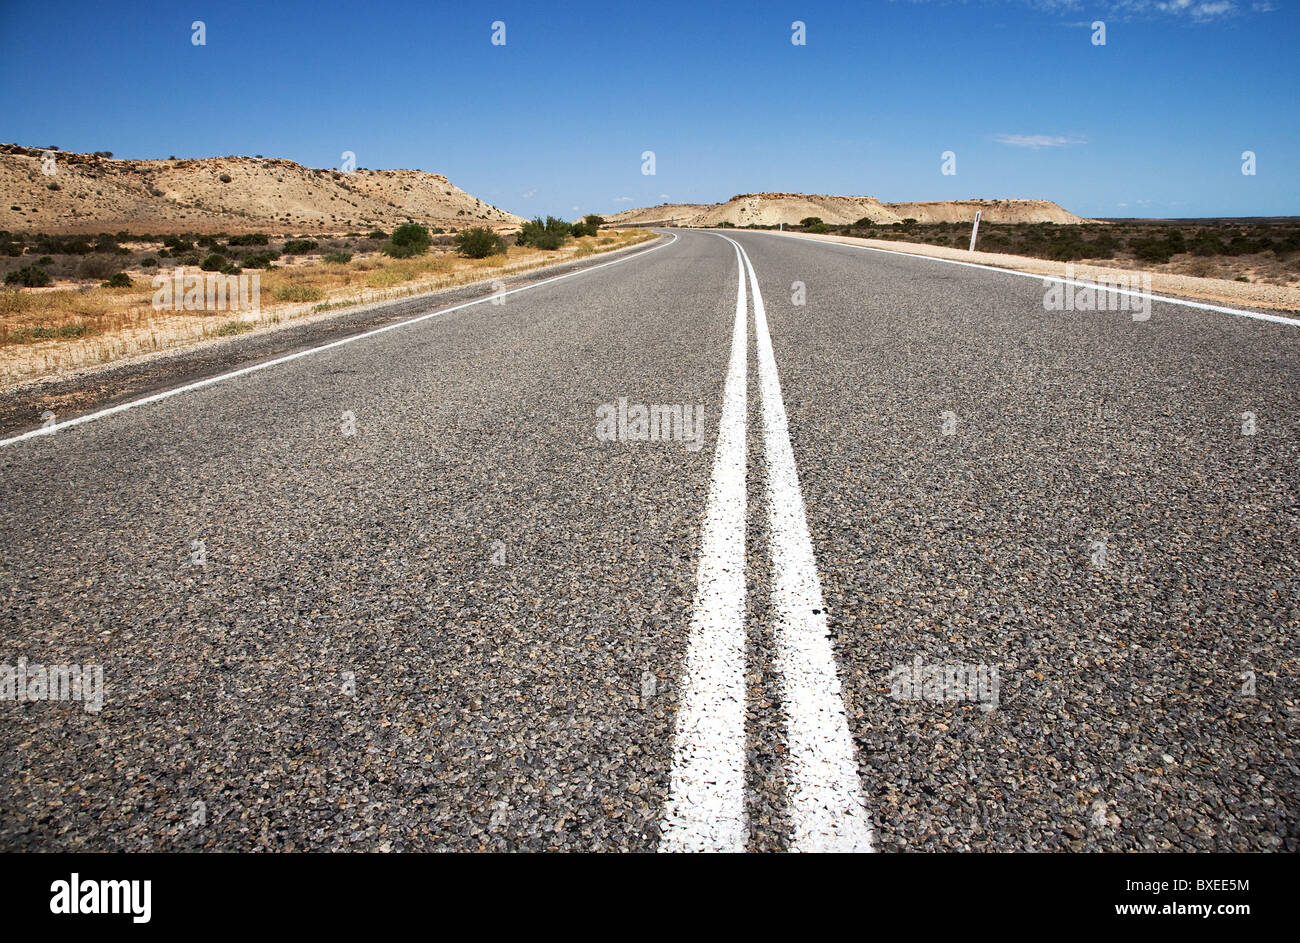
[435, 606]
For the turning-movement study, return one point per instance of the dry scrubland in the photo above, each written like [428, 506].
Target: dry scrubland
[78, 321]
[1265, 252]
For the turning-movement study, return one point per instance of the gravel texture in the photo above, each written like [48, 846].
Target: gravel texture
[462, 627]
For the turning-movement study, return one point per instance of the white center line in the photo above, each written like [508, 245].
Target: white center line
[827, 808]
[706, 800]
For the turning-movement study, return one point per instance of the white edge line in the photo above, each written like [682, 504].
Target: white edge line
[243, 371]
[705, 810]
[1257, 315]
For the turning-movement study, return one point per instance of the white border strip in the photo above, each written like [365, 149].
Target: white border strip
[828, 811]
[244, 371]
[1238, 312]
[706, 800]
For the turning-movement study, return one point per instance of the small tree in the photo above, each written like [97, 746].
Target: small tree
[810, 221]
[479, 242]
[29, 276]
[548, 235]
[409, 239]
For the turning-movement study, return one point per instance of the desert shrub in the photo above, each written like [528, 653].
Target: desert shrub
[213, 263]
[249, 239]
[45, 260]
[547, 235]
[299, 246]
[810, 221]
[53, 186]
[149, 262]
[479, 242]
[817, 227]
[120, 280]
[339, 257]
[409, 239]
[377, 234]
[224, 178]
[1150, 249]
[29, 276]
[177, 244]
[260, 259]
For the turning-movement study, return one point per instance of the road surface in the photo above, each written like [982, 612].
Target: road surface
[943, 570]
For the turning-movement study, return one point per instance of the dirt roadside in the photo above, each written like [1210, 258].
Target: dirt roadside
[92, 388]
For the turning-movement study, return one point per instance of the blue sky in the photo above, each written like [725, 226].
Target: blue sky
[1154, 123]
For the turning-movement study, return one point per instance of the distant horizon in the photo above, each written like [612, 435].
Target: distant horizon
[117, 156]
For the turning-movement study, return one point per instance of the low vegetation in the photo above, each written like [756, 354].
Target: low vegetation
[1205, 248]
[74, 300]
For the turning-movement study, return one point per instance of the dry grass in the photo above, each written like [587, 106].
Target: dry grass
[48, 331]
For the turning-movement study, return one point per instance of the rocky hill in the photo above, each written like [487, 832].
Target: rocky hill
[770, 209]
[89, 193]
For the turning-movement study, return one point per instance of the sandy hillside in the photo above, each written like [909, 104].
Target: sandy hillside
[992, 211]
[665, 214]
[90, 194]
[769, 209]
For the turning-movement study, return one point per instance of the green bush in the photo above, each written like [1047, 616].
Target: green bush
[1151, 250]
[120, 280]
[213, 263]
[810, 221]
[339, 257]
[594, 221]
[817, 227]
[299, 246]
[260, 259]
[29, 276]
[409, 239]
[249, 239]
[548, 235]
[150, 262]
[377, 234]
[479, 242]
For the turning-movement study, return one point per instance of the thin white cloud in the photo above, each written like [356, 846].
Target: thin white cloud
[530, 194]
[1037, 140]
[1199, 10]
[622, 199]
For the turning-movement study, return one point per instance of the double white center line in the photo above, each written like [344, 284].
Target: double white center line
[706, 803]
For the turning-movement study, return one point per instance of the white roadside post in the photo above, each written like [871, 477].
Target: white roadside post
[975, 230]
